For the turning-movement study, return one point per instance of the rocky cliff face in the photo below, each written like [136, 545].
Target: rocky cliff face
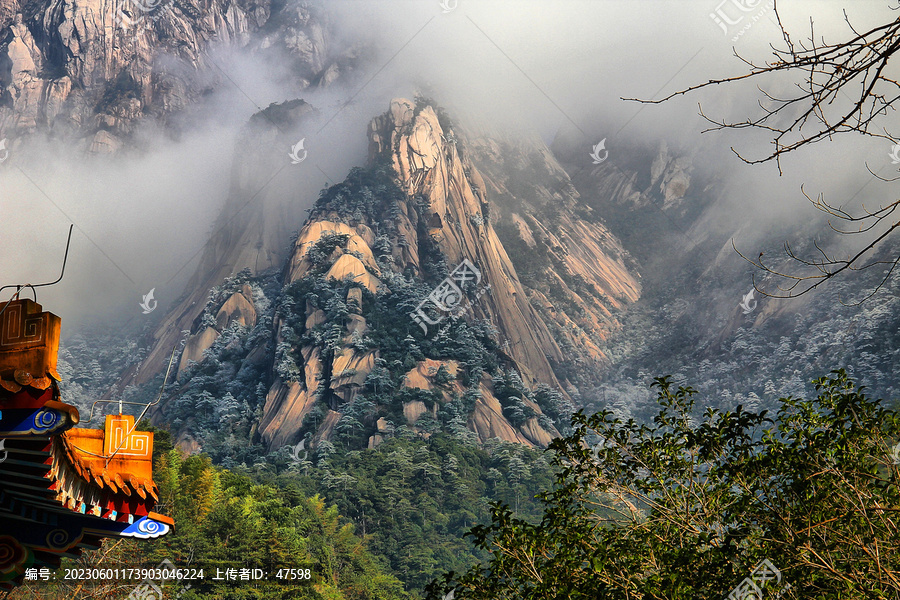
[586, 277]
[252, 233]
[343, 344]
[93, 69]
[429, 167]
[445, 209]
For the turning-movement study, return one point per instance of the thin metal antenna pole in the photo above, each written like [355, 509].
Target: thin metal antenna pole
[141, 416]
[61, 272]
[58, 279]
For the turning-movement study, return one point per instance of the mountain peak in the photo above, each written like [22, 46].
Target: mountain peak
[400, 307]
[437, 216]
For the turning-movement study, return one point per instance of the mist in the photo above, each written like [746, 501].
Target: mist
[143, 215]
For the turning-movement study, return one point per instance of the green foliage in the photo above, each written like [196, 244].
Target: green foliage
[414, 496]
[222, 515]
[92, 362]
[687, 321]
[442, 377]
[413, 499]
[220, 399]
[369, 195]
[687, 507]
[324, 246]
[229, 519]
[283, 115]
[125, 87]
[554, 406]
[390, 329]
[511, 392]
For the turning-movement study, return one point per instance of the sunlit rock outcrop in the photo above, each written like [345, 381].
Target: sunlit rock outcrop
[433, 171]
[552, 279]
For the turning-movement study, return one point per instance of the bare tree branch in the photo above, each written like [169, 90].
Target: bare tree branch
[856, 70]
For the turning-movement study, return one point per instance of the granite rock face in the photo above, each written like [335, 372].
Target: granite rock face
[457, 190]
[432, 169]
[92, 70]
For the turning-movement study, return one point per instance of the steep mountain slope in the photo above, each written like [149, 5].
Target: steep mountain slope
[350, 355]
[575, 270]
[251, 232]
[688, 322]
